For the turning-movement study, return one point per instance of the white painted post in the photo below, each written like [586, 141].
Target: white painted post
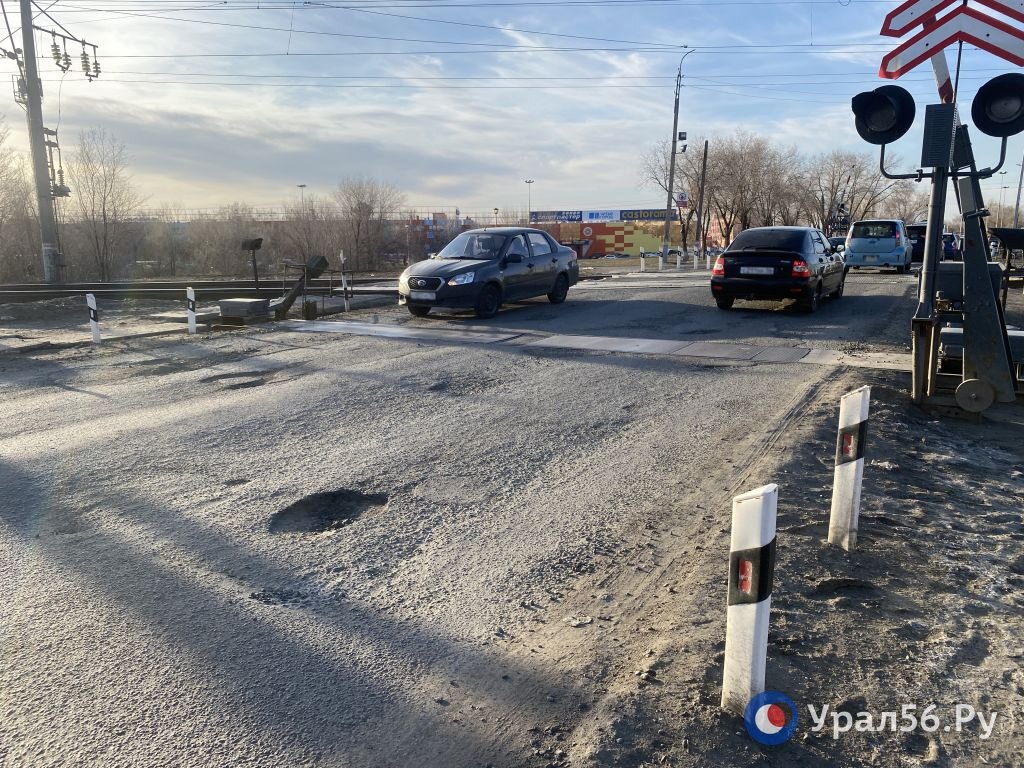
[190, 300]
[641, 261]
[661, 261]
[751, 574]
[94, 317]
[344, 282]
[853, 423]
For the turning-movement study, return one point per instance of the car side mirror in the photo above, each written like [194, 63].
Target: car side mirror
[514, 258]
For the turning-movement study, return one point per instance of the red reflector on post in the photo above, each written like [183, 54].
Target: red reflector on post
[746, 577]
[849, 447]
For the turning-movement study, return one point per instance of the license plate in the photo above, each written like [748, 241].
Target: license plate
[757, 271]
[871, 259]
[422, 295]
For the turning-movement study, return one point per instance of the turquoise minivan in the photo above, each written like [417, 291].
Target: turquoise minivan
[879, 243]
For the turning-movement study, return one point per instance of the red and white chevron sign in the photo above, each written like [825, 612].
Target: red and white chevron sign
[965, 24]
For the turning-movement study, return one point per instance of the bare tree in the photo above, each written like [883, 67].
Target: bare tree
[908, 201]
[19, 229]
[103, 198]
[366, 208]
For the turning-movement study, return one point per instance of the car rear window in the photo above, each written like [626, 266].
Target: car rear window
[768, 240]
[874, 229]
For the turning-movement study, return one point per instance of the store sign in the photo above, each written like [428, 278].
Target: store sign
[559, 216]
[595, 216]
[644, 214]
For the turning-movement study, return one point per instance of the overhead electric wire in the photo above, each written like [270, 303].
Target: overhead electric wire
[408, 86]
[414, 4]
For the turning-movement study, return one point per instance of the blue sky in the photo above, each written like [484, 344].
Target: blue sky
[472, 102]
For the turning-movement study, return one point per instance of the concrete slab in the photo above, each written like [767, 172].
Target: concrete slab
[720, 350]
[612, 344]
[780, 355]
[395, 331]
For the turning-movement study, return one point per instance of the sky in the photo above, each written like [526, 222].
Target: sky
[458, 102]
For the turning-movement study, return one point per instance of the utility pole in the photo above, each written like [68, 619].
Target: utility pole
[700, 206]
[52, 258]
[670, 205]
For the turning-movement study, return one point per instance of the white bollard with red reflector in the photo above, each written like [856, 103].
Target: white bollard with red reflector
[94, 317]
[190, 302]
[853, 424]
[751, 574]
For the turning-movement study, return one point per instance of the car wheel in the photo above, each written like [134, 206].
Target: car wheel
[811, 303]
[417, 311]
[838, 292]
[561, 290]
[724, 302]
[488, 302]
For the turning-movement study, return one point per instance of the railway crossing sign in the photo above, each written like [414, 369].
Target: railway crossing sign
[965, 24]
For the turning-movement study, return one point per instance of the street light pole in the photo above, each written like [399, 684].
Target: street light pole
[1002, 188]
[1016, 207]
[529, 200]
[670, 204]
[495, 217]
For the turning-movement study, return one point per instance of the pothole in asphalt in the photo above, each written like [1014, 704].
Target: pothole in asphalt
[327, 511]
[240, 380]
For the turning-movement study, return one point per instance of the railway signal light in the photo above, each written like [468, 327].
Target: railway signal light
[884, 115]
[998, 108]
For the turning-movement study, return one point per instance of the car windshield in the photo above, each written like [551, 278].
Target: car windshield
[474, 245]
[874, 229]
[949, 239]
[769, 240]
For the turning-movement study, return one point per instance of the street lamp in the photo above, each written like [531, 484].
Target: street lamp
[1002, 187]
[1016, 207]
[670, 203]
[495, 217]
[529, 199]
[302, 197]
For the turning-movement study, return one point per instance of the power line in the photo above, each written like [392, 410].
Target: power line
[357, 86]
[413, 4]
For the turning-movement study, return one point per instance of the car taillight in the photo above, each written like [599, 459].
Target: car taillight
[719, 269]
[800, 269]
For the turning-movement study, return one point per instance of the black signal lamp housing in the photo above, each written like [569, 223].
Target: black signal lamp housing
[998, 108]
[884, 115]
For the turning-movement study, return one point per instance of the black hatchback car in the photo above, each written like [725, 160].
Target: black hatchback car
[779, 263]
[483, 268]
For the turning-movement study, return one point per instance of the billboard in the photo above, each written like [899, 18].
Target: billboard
[568, 216]
[593, 216]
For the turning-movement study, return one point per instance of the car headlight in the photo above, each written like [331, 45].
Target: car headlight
[403, 281]
[463, 279]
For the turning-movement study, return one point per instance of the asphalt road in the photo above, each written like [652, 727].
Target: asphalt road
[167, 605]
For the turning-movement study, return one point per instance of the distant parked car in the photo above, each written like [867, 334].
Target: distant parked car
[483, 268]
[916, 233]
[951, 247]
[839, 243]
[779, 263]
[879, 243]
